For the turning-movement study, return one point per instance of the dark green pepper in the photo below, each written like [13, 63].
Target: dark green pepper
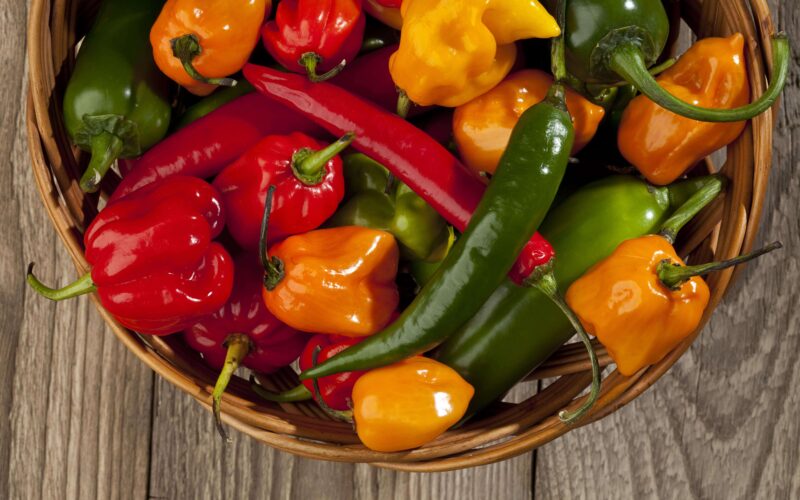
[518, 328]
[612, 40]
[117, 102]
[375, 199]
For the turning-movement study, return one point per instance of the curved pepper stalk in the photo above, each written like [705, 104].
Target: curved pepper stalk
[82, 286]
[239, 346]
[187, 48]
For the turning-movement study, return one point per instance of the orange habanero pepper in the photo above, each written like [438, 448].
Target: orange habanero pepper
[482, 127]
[198, 44]
[642, 300]
[338, 281]
[663, 145]
[407, 404]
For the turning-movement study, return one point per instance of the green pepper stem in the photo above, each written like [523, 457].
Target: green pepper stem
[627, 60]
[273, 266]
[403, 104]
[310, 61]
[710, 189]
[557, 48]
[186, 48]
[297, 393]
[82, 286]
[345, 416]
[544, 280]
[105, 148]
[238, 345]
[596, 88]
[674, 275]
[309, 165]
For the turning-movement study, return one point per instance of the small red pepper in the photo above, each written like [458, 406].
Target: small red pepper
[311, 35]
[154, 264]
[308, 180]
[410, 154]
[243, 332]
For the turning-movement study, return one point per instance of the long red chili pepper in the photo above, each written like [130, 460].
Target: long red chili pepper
[410, 154]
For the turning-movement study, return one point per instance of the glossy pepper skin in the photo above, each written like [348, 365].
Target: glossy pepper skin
[416, 159]
[198, 44]
[336, 390]
[154, 264]
[373, 200]
[307, 177]
[663, 145]
[435, 67]
[514, 205]
[408, 404]
[311, 36]
[482, 126]
[622, 301]
[521, 326]
[117, 103]
[338, 281]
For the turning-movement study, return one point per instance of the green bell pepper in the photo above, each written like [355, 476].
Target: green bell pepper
[117, 102]
[375, 199]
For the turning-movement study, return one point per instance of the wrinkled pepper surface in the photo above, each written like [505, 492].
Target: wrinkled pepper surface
[154, 264]
[199, 44]
[337, 281]
[482, 127]
[663, 145]
[313, 36]
[377, 200]
[452, 51]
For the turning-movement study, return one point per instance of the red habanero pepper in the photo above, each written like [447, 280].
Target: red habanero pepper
[308, 180]
[311, 35]
[154, 264]
[410, 154]
[243, 331]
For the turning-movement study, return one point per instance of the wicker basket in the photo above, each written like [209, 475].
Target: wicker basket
[723, 231]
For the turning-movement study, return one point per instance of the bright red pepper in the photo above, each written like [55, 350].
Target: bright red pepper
[308, 180]
[244, 332]
[154, 264]
[311, 35]
[410, 154]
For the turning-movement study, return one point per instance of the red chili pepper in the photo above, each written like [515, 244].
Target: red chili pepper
[154, 265]
[410, 154]
[244, 332]
[308, 180]
[311, 35]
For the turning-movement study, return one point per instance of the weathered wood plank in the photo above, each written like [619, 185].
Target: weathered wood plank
[723, 422]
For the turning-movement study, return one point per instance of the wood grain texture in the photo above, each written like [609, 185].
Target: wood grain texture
[723, 422]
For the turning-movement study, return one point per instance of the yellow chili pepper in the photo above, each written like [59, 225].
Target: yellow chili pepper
[661, 144]
[482, 127]
[452, 51]
[337, 281]
[642, 300]
[407, 404]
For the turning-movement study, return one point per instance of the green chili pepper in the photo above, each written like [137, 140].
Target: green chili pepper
[609, 40]
[519, 328]
[219, 98]
[375, 199]
[510, 211]
[117, 102]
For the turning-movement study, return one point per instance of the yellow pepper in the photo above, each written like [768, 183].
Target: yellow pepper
[482, 127]
[407, 404]
[452, 51]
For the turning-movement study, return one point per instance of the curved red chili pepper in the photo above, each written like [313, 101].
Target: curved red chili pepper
[410, 154]
[336, 390]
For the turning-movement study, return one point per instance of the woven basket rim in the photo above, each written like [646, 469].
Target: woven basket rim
[725, 230]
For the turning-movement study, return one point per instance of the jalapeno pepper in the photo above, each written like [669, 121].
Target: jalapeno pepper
[117, 101]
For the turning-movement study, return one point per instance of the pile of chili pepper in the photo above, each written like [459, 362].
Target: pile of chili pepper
[405, 195]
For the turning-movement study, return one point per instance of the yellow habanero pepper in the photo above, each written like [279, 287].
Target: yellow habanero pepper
[482, 127]
[661, 144]
[452, 51]
[407, 404]
[642, 301]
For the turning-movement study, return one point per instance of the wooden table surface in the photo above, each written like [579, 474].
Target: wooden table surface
[87, 420]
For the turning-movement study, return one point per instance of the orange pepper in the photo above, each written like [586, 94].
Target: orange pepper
[663, 145]
[337, 281]
[408, 404]
[197, 44]
[482, 127]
